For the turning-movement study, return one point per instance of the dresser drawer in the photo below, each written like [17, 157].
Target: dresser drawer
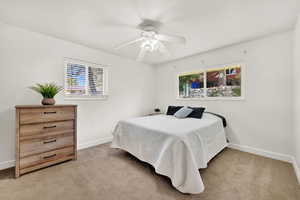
[41, 145]
[45, 135]
[46, 157]
[30, 131]
[38, 115]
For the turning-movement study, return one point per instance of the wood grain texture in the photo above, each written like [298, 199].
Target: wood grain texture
[35, 146]
[45, 164]
[45, 106]
[45, 135]
[34, 160]
[17, 153]
[48, 114]
[75, 134]
[31, 131]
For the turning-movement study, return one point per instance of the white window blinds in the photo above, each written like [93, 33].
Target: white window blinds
[84, 79]
[95, 77]
[75, 79]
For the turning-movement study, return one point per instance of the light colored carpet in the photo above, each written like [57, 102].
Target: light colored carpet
[101, 173]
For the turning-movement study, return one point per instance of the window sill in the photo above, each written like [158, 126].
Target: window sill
[212, 99]
[86, 98]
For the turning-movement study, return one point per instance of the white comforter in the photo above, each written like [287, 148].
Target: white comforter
[176, 148]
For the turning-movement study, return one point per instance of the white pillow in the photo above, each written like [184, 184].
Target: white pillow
[183, 112]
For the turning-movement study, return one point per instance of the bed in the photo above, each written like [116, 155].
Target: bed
[176, 148]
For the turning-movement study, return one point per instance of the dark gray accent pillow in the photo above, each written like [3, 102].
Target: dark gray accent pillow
[173, 109]
[197, 112]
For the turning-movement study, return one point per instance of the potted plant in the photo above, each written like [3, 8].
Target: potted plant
[48, 91]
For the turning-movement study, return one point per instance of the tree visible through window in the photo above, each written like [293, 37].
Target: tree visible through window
[225, 81]
[84, 79]
[191, 85]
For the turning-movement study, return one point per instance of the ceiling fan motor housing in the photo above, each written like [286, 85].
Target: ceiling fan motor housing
[149, 35]
[150, 25]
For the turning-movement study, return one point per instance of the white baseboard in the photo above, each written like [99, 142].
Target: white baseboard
[7, 164]
[270, 154]
[11, 163]
[94, 143]
[261, 152]
[297, 169]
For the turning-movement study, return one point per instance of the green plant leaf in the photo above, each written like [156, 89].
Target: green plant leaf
[47, 90]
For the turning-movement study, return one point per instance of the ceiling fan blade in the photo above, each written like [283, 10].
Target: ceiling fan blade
[128, 43]
[141, 54]
[171, 38]
[119, 23]
[163, 49]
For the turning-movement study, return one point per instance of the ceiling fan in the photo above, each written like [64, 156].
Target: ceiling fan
[151, 40]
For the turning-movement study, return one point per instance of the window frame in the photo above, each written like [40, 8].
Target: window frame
[86, 64]
[187, 73]
[210, 67]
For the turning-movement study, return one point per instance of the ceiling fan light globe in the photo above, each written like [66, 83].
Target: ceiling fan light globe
[154, 42]
[147, 47]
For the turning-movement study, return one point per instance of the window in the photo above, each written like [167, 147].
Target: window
[85, 80]
[220, 82]
[224, 82]
[191, 85]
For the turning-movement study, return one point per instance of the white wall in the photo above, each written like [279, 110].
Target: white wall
[296, 95]
[263, 119]
[27, 58]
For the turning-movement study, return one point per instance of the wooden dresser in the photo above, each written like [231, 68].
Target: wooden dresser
[45, 135]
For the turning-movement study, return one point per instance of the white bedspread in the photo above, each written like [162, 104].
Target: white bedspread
[176, 148]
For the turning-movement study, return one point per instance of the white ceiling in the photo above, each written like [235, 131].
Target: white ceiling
[102, 24]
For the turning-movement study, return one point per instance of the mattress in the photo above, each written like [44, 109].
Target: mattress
[176, 148]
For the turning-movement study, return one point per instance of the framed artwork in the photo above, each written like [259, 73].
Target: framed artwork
[223, 82]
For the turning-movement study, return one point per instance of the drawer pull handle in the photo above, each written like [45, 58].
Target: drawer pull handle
[45, 127]
[51, 156]
[50, 112]
[49, 141]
